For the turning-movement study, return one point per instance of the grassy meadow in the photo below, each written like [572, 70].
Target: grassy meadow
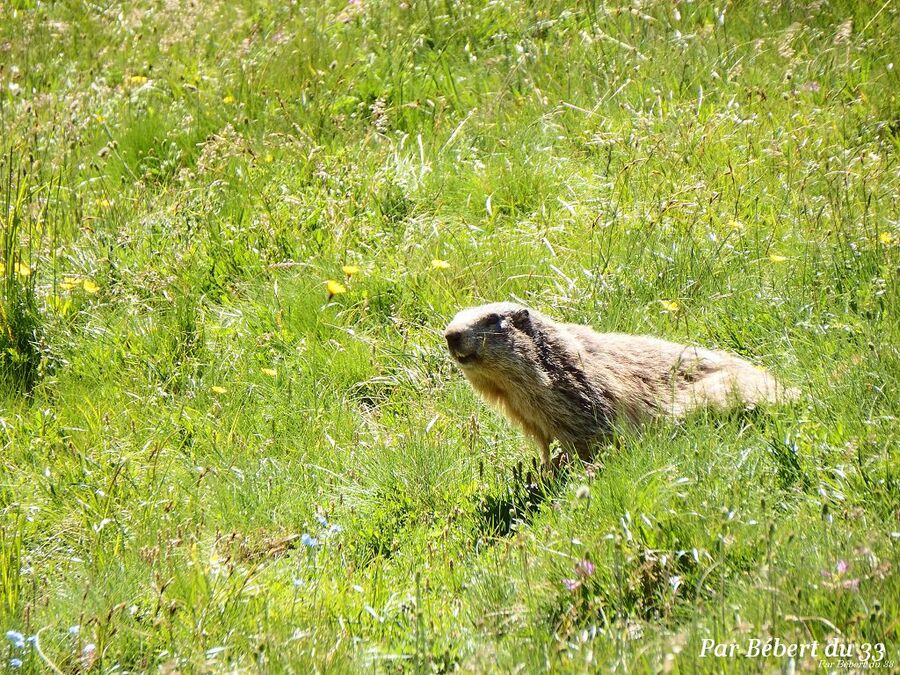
[231, 438]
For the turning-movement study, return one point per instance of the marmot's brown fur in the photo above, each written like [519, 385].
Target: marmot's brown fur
[568, 383]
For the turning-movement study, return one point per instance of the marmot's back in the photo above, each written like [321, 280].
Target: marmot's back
[567, 382]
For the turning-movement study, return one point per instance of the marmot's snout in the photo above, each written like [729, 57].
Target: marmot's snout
[460, 344]
[454, 339]
[476, 336]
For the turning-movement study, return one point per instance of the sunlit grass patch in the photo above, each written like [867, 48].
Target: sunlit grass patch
[233, 232]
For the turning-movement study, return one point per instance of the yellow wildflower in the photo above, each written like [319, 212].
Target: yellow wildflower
[334, 288]
[22, 269]
[350, 270]
[69, 283]
[437, 264]
[138, 79]
[271, 372]
[670, 306]
[228, 100]
[775, 258]
[89, 286]
[886, 238]
[269, 158]
[219, 390]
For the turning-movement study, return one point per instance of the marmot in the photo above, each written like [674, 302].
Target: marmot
[568, 383]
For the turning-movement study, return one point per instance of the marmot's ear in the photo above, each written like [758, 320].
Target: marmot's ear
[520, 317]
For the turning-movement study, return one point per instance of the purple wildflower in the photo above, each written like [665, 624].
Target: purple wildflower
[584, 568]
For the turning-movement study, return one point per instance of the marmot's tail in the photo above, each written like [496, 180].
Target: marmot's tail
[755, 385]
[736, 385]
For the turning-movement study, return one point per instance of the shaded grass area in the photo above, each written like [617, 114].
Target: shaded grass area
[208, 463]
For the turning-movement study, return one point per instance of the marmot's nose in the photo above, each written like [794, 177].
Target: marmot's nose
[454, 339]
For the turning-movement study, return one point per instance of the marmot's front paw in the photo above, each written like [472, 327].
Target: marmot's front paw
[562, 459]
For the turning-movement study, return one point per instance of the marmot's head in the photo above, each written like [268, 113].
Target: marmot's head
[486, 336]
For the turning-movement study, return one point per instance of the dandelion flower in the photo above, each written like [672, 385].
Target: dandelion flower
[438, 264]
[271, 372]
[90, 287]
[69, 283]
[22, 269]
[228, 100]
[775, 258]
[670, 306]
[138, 79]
[218, 390]
[334, 288]
[886, 238]
[269, 159]
[350, 270]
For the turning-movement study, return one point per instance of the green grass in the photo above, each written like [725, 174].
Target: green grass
[180, 401]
